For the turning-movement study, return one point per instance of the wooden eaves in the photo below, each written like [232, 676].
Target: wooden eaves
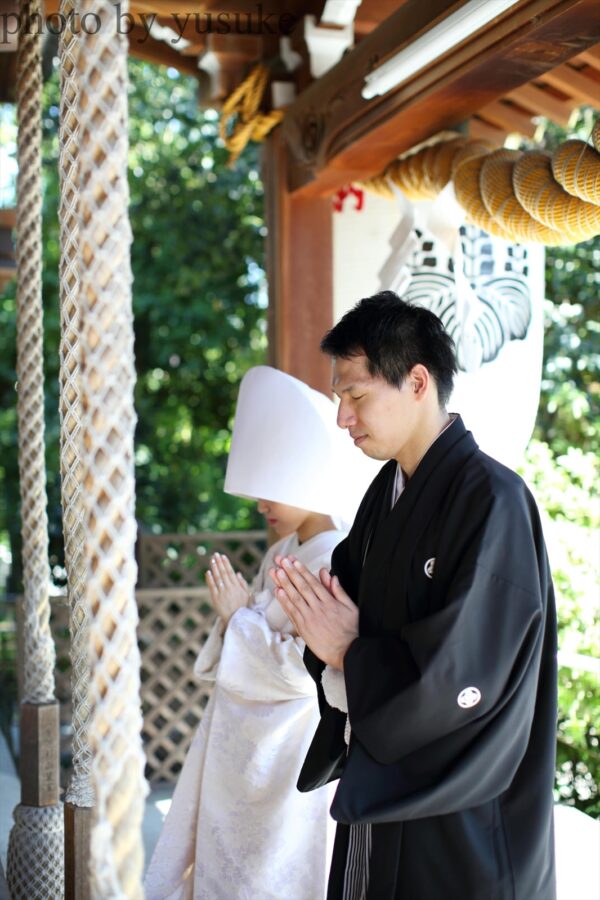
[336, 136]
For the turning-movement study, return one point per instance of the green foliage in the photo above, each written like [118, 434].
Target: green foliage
[563, 470]
[569, 413]
[199, 306]
[198, 302]
[567, 491]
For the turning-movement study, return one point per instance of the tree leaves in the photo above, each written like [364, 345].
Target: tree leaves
[198, 298]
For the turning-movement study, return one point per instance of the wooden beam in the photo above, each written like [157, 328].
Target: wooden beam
[8, 217]
[269, 15]
[483, 131]
[242, 20]
[39, 756]
[591, 57]
[182, 8]
[303, 8]
[6, 276]
[336, 136]
[508, 117]
[572, 81]
[8, 77]
[299, 272]
[542, 103]
[144, 47]
[78, 822]
[371, 13]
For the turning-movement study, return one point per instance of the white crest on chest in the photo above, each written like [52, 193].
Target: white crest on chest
[429, 567]
[468, 697]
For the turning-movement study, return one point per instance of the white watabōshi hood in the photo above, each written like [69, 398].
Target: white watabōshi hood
[286, 447]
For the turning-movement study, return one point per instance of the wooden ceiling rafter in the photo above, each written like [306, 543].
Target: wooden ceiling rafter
[590, 57]
[582, 85]
[144, 46]
[480, 130]
[508, 117]
[540, 102]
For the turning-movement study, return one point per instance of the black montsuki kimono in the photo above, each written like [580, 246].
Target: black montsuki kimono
[451, 686]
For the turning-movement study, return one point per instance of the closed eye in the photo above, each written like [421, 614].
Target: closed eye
[356, 398]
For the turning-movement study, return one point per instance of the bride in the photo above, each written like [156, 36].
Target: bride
[237, 828]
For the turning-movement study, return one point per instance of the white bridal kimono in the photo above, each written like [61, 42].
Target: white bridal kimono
[238, 829]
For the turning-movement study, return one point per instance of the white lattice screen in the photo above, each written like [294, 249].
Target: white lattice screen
[175, 618]
[174, 623]
[180, 560]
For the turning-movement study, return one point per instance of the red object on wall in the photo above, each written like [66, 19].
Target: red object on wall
[343, 193]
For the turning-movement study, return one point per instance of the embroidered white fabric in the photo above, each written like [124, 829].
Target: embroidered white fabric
[238, 827]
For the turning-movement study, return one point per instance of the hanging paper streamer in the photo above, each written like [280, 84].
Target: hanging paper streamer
[481, 294]
[489, 295]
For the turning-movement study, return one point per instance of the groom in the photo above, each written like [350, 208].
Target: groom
[432, 641]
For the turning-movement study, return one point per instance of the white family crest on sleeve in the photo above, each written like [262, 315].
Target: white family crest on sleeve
[429, 567]
[468, 697]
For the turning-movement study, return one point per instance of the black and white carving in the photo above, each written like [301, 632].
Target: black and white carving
[481, 294]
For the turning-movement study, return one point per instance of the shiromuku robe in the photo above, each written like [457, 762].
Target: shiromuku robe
[451, 686]
[237, 828]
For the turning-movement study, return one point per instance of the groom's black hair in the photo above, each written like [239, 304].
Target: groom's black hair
[395, 336]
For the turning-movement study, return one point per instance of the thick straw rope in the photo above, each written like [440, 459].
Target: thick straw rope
[420, 175]
[242, 106]
[79, 791]
[485, 186]
[35, 852]
[466, 175]
[541, 196]
[108, 426]
[576, 168]
[495, 182]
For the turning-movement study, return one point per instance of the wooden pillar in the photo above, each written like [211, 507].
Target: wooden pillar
[299, 272]
[78, 824]
[39, 754]
[39, 729]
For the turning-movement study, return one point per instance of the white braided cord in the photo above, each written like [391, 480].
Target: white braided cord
[79, 791]
[108, 426]
[35, 868]
[38, 668]
[35, 859]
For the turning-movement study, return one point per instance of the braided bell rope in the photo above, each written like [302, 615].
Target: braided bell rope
[35, 868]
[38, 669]
[107, 382]
[79, 790]
[240, 113]
[506, 192]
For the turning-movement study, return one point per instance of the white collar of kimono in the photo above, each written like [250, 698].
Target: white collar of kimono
[400, 480]
[286, 447]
